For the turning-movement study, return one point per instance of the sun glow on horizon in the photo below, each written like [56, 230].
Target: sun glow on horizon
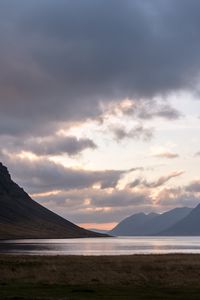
[98, 226]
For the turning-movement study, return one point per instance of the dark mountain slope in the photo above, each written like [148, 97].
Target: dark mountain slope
[21, 217]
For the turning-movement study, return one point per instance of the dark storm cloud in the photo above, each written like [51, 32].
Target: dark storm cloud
[60, 59]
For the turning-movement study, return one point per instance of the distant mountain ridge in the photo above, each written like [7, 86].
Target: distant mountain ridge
[21, 217]
[131, 225]
[188, 226]
[168, 223]
[165, 220]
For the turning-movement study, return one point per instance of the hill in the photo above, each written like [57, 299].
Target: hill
[21, 217]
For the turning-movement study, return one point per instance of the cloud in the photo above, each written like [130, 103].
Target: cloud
[44, 147]
[186, 195]
[139, 132]
[99, 206]
[176, 197]
[60, 145]
[166, 154]
[161, 181]
[121, 198]
[146, 110]
[141, 110]
[197, 153]
[42, 175]
[92, 205]
[50, 146]
[194, 186]
[96, 198]
[61, 60]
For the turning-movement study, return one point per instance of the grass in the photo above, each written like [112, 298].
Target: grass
[112, 277]
[64, 292]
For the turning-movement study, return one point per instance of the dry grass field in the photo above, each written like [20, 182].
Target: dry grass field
[112, 277]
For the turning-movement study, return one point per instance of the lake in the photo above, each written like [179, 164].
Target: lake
[103, 246]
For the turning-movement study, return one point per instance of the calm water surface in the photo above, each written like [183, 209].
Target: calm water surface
[103, 246]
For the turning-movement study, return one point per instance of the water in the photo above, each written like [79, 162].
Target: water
[103, 246]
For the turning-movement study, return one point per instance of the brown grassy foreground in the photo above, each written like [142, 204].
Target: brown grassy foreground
[113, 277]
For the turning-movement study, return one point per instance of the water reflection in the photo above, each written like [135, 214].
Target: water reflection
[103, 246]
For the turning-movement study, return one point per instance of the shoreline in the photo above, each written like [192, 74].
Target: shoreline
[19, 255]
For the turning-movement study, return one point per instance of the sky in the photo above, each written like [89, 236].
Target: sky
[100, 105]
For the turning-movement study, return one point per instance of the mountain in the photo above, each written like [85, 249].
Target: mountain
[151, 224]
[165, 220]
[131, 225]
[22, 217]
[188, 226]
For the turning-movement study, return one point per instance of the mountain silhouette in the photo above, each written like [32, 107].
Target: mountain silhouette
[22, 217]
[188, 226]
[165, 220]
[131, 225]
[150, 224]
